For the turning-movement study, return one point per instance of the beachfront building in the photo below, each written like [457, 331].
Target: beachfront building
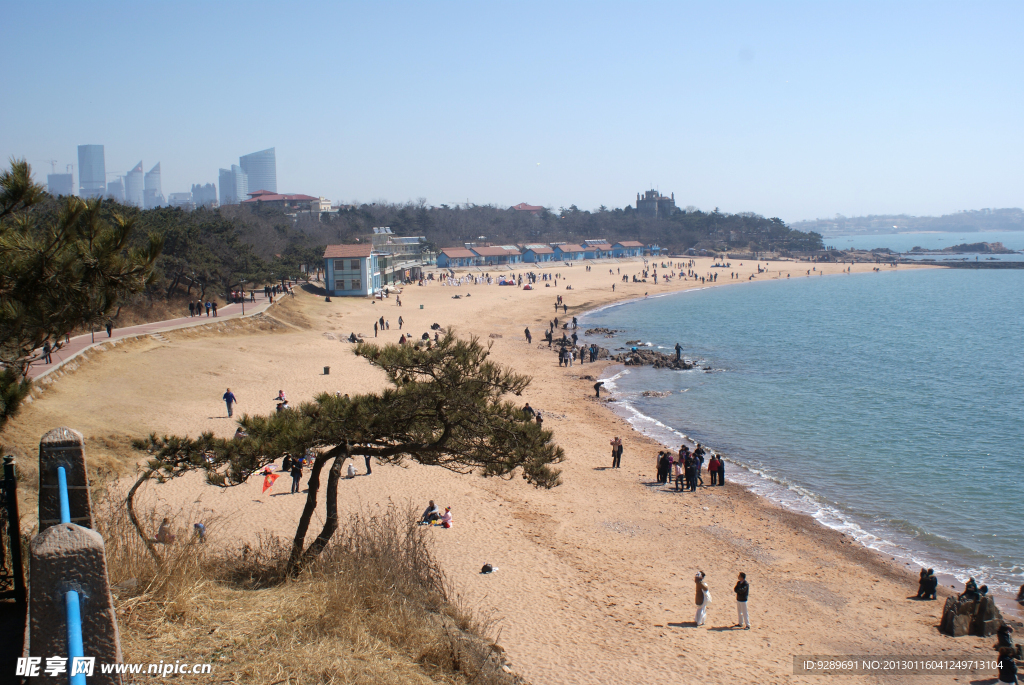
[538, 253]
[453, 257]
[568, 252]
[497, 255]
[628, 248]
[597, 249]
[351, 270]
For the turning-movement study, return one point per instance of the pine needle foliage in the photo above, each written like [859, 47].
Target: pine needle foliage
[58, 272]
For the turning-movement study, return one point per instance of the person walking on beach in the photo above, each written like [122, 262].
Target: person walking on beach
[229, 399]
[375, 329]
[400, 322]
[742, 591]
[702, 599]
[616, 453]
[529, 338]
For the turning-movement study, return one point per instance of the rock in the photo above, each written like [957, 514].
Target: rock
[658, 360]
[494, 335]
[605, 331]
[655, 393]
[970, 617]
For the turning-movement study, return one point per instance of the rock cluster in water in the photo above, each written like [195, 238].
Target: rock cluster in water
[603, 331]
[658, 360]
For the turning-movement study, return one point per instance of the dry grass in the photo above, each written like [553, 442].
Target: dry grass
[376, 608]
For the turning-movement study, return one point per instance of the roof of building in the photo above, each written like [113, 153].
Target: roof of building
[267, 196]
[335, 251]
[523, 207]
[540, 249]
[457, 252]
[600, 246]
[570, 247]
[629, 243]
[494, 251]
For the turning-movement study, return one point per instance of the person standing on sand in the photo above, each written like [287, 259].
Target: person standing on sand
[375, 329]
[367, 459]
[616, 453]
[742, 590]
[400, 322]
[721, 471]
[296, 471]
[713, 469]
[597, 387]
[702, 599]
[230, 399]
[529, 338]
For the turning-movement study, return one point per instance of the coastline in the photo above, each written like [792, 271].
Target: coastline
[593, 572]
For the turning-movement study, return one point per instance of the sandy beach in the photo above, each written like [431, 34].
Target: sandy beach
[595, 580]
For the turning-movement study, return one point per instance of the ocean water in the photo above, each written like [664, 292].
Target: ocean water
[904, 242]
[888, 405]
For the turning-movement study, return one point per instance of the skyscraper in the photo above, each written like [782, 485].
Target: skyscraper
[115, 189]
[234, 186]
[261, 170]
[204, 195]
[92, 171]
[152, 193]
[134, 188]
[60, 184]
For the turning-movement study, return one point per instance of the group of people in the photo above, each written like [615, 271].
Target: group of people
[703, 599]
[195, 307]
[685, 468]
[433, 515]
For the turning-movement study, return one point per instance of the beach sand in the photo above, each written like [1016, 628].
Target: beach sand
[595, 580]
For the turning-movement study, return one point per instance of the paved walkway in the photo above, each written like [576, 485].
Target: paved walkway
[81, 343]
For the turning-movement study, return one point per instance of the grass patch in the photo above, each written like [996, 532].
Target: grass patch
[375, 608]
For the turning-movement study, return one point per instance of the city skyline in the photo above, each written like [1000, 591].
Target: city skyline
[799, 110]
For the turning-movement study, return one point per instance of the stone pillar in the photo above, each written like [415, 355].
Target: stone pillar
[63, 447]
[67, 557]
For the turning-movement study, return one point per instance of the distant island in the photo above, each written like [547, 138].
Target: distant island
[973, 221]
[967, 248]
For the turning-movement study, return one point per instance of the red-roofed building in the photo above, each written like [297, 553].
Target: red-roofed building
[537, 253]
[532, 209]
[628, 248]
[451, 257]
[568, 252]
[351, 270]
[289, 203]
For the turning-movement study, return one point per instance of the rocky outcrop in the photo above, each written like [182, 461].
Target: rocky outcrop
[658, 360]
[601, 331]
[970, 617]
[656, 393]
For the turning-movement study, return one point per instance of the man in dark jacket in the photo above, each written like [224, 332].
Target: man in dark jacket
[742, 590]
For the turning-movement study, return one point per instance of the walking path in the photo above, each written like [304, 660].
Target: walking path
[80, 343]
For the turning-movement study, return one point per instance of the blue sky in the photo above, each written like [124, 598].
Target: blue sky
[799, 110]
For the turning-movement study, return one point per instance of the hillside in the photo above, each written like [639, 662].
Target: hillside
[1010, 219]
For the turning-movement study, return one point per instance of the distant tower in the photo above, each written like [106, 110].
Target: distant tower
[261, 171]
[134, 187]
[60, 184]
[152, 194]
[115, 190]
[92, 171]
[234, 186]
[653, 203]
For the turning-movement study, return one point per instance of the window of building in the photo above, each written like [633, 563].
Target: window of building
[339, 264]
[357, 284]
[354, 265]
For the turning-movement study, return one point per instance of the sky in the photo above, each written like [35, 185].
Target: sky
[790, 109]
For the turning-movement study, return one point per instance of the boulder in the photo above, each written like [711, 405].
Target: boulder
[970, 617]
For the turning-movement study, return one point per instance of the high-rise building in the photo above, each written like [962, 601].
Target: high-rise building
[204, 195]
[115, 190]
[153, 195]
[92, 171]
[261, 170]
[234, 185]
[134, 187]
[60, 184]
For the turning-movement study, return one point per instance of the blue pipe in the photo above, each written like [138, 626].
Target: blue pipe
[62, 489]
[75, 648]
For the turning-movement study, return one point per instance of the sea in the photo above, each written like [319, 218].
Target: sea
[889, 405]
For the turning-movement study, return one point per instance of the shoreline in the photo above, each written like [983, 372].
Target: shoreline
[593, 572]
[1006, 597]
